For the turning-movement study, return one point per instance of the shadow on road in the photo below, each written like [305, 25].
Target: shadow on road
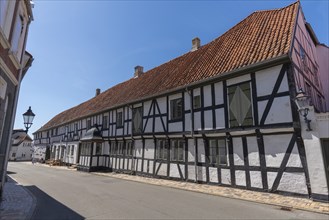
[49, 208]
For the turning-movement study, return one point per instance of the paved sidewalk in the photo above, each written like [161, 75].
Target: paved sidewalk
[17, 203]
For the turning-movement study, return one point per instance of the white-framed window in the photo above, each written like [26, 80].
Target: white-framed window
[17, 34]
[176, 109]
[217, 152]
[240, 105]
[72, 150]
[85, 149]
[3, 9]
[196, 102]
[98, 148]
[120, 148]
[68, 149]
[162, 149]
[119, 119]
[177, 150]
[75, 128]
[105, 122]
[129, 148]
[88, 124]
[7, 8]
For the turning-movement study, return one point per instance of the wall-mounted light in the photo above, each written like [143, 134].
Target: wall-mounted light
[302, 101]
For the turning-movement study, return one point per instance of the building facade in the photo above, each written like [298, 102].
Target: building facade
[223, 113]
[15, 18]
[21, 147]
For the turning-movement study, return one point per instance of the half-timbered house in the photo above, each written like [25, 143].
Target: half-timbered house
[224, 113]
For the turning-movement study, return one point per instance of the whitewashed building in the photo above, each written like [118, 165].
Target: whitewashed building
[21, 147]
[223, 113]
[39, 153]
[15, 19]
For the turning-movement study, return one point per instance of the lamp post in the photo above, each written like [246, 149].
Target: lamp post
[28, 119]
[302, 102]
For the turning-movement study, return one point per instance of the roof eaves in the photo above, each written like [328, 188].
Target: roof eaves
[266, 63]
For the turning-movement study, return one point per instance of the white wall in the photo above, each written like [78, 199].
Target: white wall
[312, 142]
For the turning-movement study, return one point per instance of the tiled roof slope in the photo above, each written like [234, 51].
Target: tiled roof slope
[261, 36]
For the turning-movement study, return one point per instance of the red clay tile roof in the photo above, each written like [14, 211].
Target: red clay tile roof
[261, 36]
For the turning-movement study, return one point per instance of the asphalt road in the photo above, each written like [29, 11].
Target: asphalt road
[65, 194]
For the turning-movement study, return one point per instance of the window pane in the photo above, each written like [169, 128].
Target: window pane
[17, 33]
[162, 149]
[165, 150]
[197, 102]
[213, 153]
[240, 105]
[137, 120]
[181, 151]
[176, 109]
[105, 123]
[119, 119]
[222, 152]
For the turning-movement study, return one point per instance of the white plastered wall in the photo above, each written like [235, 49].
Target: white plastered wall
[312, 142]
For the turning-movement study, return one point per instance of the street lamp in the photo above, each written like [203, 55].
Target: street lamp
[28, 119]
[302, 101]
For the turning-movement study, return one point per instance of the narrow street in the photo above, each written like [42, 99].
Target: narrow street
[65, 194]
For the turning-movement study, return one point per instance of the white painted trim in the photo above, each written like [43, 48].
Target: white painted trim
[239, 133]
[3, 40]
[8, 72]
[276, 130]
[216, 135]
[239, 79]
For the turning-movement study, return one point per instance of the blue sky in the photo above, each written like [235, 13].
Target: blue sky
[79, 46]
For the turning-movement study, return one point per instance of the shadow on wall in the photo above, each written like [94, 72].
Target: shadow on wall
[274, 145]
[49, 208]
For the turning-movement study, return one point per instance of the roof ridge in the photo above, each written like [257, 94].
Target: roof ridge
[276, 9]
[229, 51]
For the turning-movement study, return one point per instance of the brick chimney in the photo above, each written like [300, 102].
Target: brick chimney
[196, 43]
[138, 71]
[98, 91]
